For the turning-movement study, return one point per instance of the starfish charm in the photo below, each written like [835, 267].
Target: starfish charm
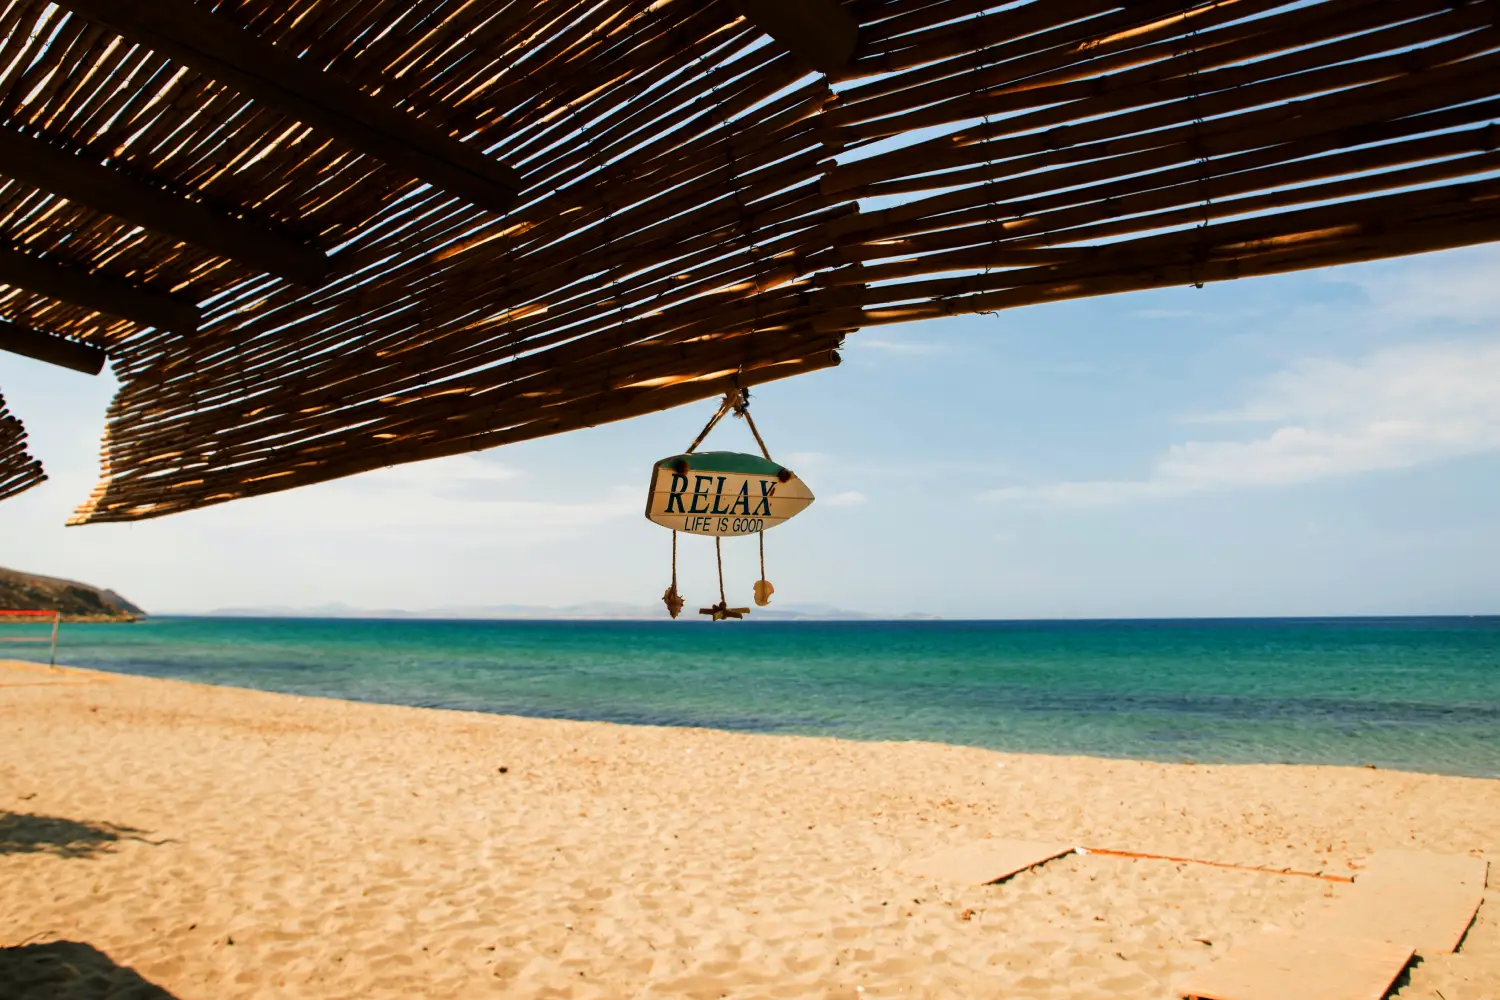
[722, 611]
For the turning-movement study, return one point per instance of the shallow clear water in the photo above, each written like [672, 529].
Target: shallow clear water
[1414, 693]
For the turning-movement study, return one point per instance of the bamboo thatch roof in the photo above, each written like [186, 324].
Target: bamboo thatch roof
[18, 470]
[316, 237]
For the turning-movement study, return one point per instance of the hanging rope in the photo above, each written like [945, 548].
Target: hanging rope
[672, 599]
[722, 610]
[979, 95]
[719, 558]
[741, 405]
[712, 423]
[763, 588]
[1196, 146]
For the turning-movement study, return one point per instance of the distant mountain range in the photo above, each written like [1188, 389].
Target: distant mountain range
[77, 601]
[592, 611]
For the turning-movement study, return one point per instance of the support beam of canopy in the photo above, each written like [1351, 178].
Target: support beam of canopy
[821, 32]
[93, 291]
[108, 190]
[184, 31]
[48, 347]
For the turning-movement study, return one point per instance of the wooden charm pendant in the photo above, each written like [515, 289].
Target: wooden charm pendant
[763, 592]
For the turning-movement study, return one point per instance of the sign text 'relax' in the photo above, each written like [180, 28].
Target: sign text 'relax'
[723, 493]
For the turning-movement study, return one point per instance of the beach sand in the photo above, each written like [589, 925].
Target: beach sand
[225, 843]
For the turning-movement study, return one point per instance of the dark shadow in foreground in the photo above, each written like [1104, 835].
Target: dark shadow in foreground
[26, 833]
[1402, 981]
[70, 970]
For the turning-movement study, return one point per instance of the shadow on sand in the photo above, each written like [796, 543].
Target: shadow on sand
[26, 833]
[70, 970]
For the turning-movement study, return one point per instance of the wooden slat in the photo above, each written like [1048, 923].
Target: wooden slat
[50, 348]
[1426, 901]
[1432, 921]
[97, 292]
[1419, 870]
[1280, 965]
[109, 190]
[186, 32]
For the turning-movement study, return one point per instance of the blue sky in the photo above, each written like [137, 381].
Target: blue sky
[1320, 443]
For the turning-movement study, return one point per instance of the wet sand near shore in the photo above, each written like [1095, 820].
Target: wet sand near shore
[222, 843]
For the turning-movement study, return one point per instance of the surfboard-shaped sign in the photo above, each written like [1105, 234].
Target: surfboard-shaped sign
[723, 493]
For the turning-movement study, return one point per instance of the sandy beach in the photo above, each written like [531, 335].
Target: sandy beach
[226, 843]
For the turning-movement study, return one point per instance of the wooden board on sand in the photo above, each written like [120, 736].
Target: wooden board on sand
[985, 862]
[1411, 898]
[1420, 870]
[1279, 965]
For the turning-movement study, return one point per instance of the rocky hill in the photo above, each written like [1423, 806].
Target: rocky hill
[77, 601]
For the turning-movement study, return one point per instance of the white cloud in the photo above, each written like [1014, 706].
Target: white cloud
[1457, 286]
[852, 498]
[898, 346]
[1394, 409]
[439, 495]
[459, 477]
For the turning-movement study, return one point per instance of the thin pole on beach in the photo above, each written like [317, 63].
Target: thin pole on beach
[56, 621]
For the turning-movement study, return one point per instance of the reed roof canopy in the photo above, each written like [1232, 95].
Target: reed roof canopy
[317, 237]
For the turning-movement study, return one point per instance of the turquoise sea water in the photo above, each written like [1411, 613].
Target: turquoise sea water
[1413, 693]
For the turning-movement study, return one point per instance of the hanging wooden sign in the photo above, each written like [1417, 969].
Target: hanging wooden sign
[723, 493]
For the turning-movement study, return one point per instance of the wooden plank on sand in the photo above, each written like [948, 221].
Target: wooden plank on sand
[1426, 901]
[1420, 870]
[1279, 965]
[985, 862]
